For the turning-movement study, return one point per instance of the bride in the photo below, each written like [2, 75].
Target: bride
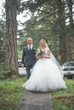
[45, 75]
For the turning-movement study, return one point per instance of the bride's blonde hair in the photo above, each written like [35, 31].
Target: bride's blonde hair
[42, 40]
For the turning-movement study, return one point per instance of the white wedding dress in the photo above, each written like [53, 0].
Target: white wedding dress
[45, 77]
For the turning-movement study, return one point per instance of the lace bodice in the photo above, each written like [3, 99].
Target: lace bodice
[45, 53]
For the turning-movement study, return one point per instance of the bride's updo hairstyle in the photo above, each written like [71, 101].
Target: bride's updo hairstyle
[42, 40]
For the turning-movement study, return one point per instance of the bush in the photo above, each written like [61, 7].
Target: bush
[3, 71]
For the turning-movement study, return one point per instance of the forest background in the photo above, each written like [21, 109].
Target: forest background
[50, 20]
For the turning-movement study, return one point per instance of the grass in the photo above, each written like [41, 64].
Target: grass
[64, 99]
[11, 92]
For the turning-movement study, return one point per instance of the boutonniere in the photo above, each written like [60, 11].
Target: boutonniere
[34, 48]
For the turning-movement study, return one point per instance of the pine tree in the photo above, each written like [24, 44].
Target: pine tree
[11, 60]
[48, 21]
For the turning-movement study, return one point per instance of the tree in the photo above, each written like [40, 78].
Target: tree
[71, 27]
[11, 60]
[49, 21]
[2, 40]
[62, 35]
[2, 33]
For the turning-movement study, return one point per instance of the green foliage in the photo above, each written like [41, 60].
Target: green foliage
[20, 54]
[49, 21]
[3, 70]
[11, 92]
[33, 5]
[64, 99]
[13, 77]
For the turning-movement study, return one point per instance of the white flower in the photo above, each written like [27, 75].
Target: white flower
[38, 50]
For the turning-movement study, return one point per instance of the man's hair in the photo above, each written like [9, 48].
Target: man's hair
[28, 38]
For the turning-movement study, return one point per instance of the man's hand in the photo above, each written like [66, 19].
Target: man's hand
[22, 66]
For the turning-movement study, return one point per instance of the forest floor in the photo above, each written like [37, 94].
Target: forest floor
[11, 92]
[64, 99]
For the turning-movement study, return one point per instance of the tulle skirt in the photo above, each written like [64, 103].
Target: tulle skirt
[45, 77]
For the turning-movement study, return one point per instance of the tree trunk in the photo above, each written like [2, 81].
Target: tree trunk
[63, 46]
[72, 47]
[55, 46]
[63, 49]
[11, 60]
[71, 23]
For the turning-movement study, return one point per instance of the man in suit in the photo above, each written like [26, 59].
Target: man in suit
[29, 52]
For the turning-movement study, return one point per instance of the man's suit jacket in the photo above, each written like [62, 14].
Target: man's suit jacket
[30, 58]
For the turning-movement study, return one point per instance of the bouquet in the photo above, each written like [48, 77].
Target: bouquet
[40, 52]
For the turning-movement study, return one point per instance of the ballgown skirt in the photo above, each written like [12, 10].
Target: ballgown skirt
[45, 77]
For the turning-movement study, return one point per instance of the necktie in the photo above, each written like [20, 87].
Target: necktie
[29, 47]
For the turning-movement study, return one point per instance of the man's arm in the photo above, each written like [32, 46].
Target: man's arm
[22, 63]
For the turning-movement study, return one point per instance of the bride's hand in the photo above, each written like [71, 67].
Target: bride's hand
[38, 57]
[42, 56]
